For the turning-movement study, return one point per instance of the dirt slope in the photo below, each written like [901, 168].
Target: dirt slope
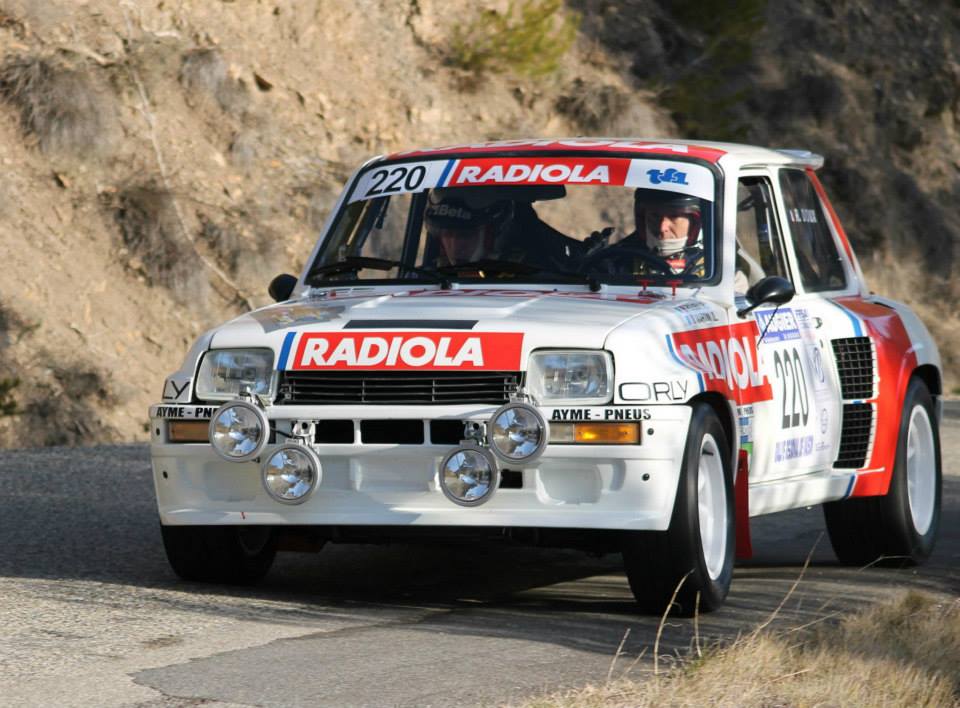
[162, 160]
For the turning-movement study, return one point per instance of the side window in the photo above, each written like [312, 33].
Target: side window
[817, 256]
[759, 248]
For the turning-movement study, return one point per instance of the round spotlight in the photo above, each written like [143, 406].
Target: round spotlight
[291, 473]
[239, 431]
[518, 433]
[469, 476]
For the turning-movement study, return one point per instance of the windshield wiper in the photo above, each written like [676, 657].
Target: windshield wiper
[498, 267]
[489, 265]
[352, 264]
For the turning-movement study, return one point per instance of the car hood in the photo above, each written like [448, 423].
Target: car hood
[554, 318]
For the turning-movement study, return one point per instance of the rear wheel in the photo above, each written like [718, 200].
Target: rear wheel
[220, 554]
[698, 548]
[899, 528]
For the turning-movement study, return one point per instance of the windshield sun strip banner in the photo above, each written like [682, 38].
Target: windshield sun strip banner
[414, 177]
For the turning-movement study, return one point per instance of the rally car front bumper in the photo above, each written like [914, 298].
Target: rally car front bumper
[589, 486]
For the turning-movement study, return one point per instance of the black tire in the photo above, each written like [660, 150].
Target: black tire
[656, 561]
[235, 555]
[881, 530]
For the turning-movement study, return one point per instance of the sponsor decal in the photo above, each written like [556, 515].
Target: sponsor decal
[779, 325]
[599, 414]
[655, 391]
[553, 170]
[793, 448]
[726, 359]
[669, 175]
[696, 313]
[490, 351]
[745, 420]
[183, 412]
[286, 316]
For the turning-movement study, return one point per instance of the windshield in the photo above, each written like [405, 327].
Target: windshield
[525, 219]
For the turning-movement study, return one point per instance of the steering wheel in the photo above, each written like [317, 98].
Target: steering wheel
[620, 251]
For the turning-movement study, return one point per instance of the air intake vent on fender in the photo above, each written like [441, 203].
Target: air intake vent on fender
[856, 365]
[855, 436]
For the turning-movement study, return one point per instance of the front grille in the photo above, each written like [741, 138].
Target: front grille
[396, 387]
[855, 364]
[855, 435]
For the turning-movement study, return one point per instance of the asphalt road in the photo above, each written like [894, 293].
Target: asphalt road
[90, 614]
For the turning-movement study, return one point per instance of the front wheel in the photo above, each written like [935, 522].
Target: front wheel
[698, 548]
[899, 528]
[236, 555]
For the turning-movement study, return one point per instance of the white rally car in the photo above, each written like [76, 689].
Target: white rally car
[616, 345]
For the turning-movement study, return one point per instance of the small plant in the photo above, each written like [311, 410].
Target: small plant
[592, 106]
[59, 106]
[8, 406]
[151, 233]
[703, 99]
[529, 38]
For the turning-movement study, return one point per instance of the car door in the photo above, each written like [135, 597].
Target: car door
[812, 329]
[791, 434]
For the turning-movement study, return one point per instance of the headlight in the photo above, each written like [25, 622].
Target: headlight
[226, 373]
[291, 474]
[518, 433]
[239, 431]
[570, 377]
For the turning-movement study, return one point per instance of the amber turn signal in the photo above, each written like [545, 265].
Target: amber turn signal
[595, 433]
[188, 431]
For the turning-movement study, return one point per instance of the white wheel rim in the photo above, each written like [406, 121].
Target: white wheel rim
[921, 470]
[712, 507]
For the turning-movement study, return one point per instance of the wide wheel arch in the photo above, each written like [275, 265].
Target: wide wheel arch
[726, 414]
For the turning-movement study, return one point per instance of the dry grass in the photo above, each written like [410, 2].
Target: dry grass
[592, 107]
[60, 107]
[152, 235]
[204, 76]
[902, 653]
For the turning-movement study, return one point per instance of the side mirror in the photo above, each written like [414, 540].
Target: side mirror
[282, 286]
[772, 289]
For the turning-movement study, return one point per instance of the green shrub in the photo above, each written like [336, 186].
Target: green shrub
[8, 406]
[529, 38]
[704, 99]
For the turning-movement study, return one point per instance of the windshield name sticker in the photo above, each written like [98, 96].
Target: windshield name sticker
[725, 359]
[479, 351]
[413, 177]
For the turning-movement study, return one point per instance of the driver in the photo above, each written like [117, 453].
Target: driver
[668, 229]
[464, 229]
[670, 223]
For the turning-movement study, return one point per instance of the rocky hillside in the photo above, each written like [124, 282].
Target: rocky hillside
[162, 160]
